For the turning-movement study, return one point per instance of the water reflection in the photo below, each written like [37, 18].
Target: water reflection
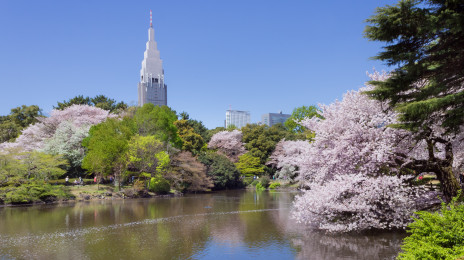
[230, 225]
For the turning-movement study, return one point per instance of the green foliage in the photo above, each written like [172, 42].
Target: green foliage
[260, 140]
[221, 170]
[159, 185]
[424, 42]
[42, 166]
[163, 162]
[33, 192]
[255, 182]
[18, 119]
[12, 170]
[140, 153]
[259, 187]
[299, 114]
[249, 165]
[438, 235]
[99, 101]
[197, 126]
[107, 144]
[264, 181]
[191, 141]
[274, 185]
[158, 121]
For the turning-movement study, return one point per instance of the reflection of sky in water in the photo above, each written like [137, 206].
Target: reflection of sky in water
[225, 225]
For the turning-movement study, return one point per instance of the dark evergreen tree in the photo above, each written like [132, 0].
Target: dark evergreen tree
[425, 44]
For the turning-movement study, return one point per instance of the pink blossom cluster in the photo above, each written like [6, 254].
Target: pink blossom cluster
[228, 143]
[350, 168]
[355, 202]
[33, 137]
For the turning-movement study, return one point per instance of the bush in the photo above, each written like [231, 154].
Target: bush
[247, 181]
[265, 181]
[274, 185]
[159, 185]
[33, 192]
[255, 182]
[259, 187]
[438, 235]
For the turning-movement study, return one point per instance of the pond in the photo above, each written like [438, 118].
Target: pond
[223, 225]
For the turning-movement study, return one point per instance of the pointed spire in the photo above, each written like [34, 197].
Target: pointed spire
[151, 20]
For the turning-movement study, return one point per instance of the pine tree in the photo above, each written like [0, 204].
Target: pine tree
[424, 42]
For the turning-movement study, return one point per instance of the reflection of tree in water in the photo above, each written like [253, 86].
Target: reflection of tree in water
[317, 245]
[178, 228]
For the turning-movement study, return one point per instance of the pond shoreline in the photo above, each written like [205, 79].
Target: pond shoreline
[109, 195]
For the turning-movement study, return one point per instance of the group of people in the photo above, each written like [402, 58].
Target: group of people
[76, 181]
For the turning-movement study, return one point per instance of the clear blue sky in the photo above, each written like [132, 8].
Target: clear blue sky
[261, 56]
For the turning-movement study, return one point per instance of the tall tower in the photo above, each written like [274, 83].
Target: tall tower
[151, 87]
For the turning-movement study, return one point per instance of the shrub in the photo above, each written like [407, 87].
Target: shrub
[265, 181]
[255, 182]
[159, 185]
[259, 187]
[247, 181]
[438, 235]
[274, 185]
[33, 192]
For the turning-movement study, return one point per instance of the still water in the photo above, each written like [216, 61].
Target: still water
[223, 225]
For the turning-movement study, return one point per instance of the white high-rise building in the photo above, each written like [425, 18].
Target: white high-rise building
[237, 118]
[151, 88]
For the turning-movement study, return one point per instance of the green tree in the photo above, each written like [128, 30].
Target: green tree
[197, 126]
[100, 101]
[299, 114]
[42, 166]
[424, 40]
[77, 100]
[12, 170]
[106, 145]
[158, 121]
[261, 140]
[191, 141]
[142, 154]
[18, 119]
[249, 165]
[223, 172]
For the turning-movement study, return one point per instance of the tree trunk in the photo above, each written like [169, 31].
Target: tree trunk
[449, 184]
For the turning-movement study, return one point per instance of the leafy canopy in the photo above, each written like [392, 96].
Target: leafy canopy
[18, 119]
[99, 101]
[249, 165]
[424, 40]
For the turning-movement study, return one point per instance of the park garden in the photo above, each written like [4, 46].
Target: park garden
[387, 156]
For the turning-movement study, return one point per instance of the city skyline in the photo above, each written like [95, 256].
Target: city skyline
[261, 56]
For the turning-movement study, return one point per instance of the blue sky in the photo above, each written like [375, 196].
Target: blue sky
[260, 56]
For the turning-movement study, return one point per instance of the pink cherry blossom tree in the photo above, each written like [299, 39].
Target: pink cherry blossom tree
[33, 137]
[352, 168]
[228, 143]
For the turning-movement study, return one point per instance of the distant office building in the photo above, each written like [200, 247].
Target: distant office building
[271, 119]
[237, 118]
[151, 88]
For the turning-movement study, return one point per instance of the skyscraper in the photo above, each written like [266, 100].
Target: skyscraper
[151, 88]
[237, 118]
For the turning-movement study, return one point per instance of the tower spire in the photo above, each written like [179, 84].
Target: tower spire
[151, 20]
